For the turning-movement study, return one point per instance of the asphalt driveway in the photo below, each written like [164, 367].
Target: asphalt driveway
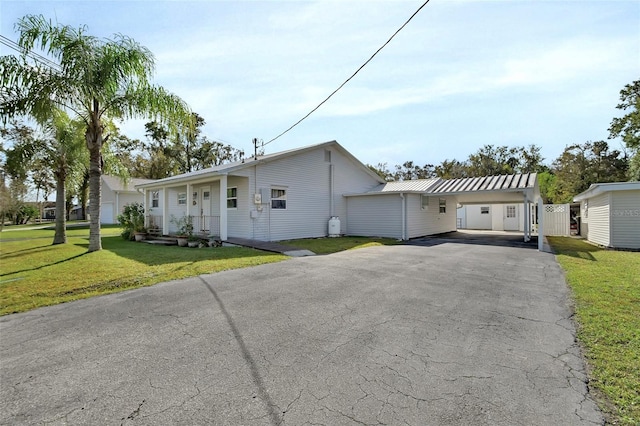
[406, 335]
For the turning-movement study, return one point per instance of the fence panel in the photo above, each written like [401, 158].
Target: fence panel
[556, 219]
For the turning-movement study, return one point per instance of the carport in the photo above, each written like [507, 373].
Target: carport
[504, 189]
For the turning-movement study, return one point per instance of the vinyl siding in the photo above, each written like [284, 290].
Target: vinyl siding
[175, 210]
[238, 221]
[306, 179]
[375, 216]
[625, 219]
[429, 221]
[598, 217]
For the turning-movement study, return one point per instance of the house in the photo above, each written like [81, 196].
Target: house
[279, 196]
[295, 193]
[610, 214]
[116, 193]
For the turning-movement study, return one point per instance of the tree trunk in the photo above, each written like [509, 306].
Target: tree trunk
[94, 144]
[84, 194]
[60, 236]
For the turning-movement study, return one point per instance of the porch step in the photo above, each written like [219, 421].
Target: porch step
[162, 241]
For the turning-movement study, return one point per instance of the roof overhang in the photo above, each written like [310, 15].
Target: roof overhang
[600, 188]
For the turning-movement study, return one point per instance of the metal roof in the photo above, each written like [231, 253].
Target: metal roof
[517, 182]
[419, 185]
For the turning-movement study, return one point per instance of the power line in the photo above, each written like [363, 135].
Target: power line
[33, 55]
[352, 75]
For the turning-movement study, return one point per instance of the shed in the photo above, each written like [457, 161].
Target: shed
[610, 214]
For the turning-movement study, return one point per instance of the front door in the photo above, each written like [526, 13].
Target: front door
[205, 209]
[510, 217]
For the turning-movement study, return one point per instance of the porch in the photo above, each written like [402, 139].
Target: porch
[201, 225]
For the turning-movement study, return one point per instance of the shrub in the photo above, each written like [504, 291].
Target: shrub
[132, 220]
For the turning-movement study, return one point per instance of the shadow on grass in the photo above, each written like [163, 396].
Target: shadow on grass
[30, 250]
[155, 255]
[43, 266]
[572, 247]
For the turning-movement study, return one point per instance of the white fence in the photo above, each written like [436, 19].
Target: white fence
[556, 219]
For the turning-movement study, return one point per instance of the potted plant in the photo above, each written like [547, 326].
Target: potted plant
[184, 227]
[193, 241]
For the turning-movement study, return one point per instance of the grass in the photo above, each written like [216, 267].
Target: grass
[333, 245]
[606, 289]
[33, 273]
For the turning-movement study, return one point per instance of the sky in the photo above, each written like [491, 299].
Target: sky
[461, 75]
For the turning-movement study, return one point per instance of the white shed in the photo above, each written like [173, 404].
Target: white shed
[610, 214]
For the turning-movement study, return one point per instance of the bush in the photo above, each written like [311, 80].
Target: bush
[132, 220]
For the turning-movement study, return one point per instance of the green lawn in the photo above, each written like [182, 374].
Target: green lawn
[33, 273]
[606, 290]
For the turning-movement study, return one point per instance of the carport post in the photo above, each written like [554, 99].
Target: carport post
[540, 225]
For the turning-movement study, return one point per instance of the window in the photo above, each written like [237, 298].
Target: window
[442, 204]
[232, 198]
[511, 211]
[155, 199]
[278, 198]
[484, 210]
[182, 198]
[206, 195]
[424, 202]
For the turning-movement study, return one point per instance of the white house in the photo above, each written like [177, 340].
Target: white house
[285, 195]
[610, 214]
[116, 193]
[294, 194]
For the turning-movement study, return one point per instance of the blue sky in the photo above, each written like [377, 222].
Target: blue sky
[462, 74]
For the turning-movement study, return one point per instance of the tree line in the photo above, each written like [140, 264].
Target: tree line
[579, 165]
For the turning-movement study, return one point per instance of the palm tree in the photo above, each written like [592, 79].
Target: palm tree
[98, 80]
[64, 153]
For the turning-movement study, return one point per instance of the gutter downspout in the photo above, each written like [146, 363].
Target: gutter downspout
[404, 218]
[331, 190]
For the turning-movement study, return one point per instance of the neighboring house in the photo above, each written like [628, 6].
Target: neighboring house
[294, 194]
[610, 214]
[116, 193]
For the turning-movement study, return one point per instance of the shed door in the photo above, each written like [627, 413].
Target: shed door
[510, 217]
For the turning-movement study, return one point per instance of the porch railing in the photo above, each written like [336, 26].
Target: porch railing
[154, 224]
[206, 225]
[202, 225]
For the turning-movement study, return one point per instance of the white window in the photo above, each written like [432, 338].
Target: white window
[442, 205]
[182, 198]
[278, 198]
[232, 198]
[511, 211]
[155, 198]
[424, 202]
[484, 210]
[206, 195]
